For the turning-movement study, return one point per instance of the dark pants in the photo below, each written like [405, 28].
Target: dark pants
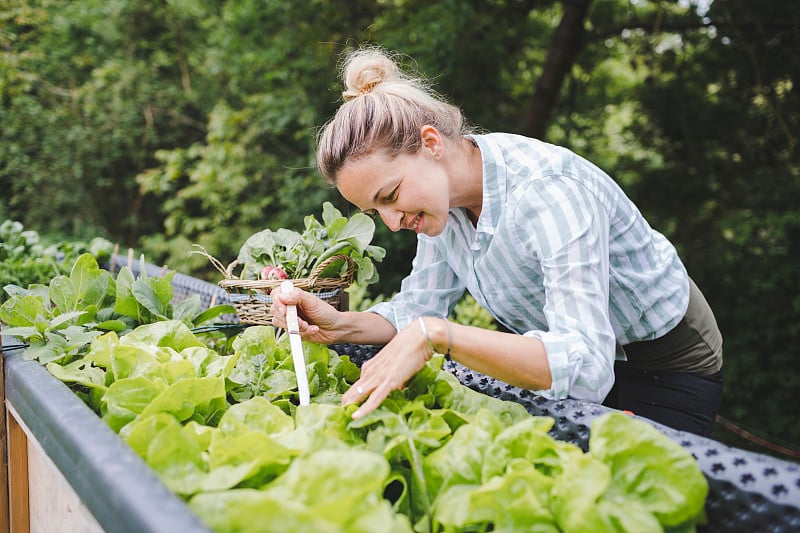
[680, 400]
[675, 379]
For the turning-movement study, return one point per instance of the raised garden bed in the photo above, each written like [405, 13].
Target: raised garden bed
[68, 471]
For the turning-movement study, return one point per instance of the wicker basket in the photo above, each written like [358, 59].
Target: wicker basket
[251, 297]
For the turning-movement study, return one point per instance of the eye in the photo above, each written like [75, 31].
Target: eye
[391, 197]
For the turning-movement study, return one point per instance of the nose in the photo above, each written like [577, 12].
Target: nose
[392, 218]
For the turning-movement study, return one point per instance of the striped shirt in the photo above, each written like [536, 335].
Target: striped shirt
[559, 253]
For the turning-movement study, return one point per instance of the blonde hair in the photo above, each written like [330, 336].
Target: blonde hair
[383, 109]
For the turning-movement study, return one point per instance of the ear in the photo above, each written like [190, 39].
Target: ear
[431, 140]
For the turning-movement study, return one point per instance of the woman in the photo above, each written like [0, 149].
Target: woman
[543, 239]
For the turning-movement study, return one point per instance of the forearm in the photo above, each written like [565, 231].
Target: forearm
[514, 359]
[365, 328]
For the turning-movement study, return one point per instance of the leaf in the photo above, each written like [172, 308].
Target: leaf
[54, 349]
[256, 414]
[15, 290]
[335, 227]
[187, 308]
[87, 315]
[90, 281]
[23, 332]
[111, 325]
[358, 231]
[168, 333]
[528, 439]
[155, 294]
[524, 493]
[43, 352]
[576, 493]
[174, 454]
[330, 213]
[348, 483]
[366, 272]
[239, 509]
[64, 294]
[649, 468]
[81, 372]
[251, 459]
[21, 311]
[126, 303]
[126, 398]
[376, 252]
[77, 337]
[459, 461]
[213, 312]
[201, 399]
[65, 318]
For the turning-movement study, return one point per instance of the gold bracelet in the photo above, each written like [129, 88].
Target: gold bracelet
[427, 337]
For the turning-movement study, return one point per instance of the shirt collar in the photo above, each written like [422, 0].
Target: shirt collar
[495, 188]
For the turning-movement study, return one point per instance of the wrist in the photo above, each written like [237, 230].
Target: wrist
[438, 335]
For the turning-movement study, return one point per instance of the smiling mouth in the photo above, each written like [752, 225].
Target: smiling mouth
[415, 223]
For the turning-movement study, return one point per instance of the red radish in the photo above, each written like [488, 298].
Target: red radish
[273, 272]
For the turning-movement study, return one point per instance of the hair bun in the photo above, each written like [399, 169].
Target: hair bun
[364, 70]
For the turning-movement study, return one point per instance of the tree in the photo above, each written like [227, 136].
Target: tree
[723, 113]
[567, 44]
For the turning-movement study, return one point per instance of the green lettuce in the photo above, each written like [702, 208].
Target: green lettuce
[226, 433]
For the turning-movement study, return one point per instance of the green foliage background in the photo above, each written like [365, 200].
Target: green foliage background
[162, 124]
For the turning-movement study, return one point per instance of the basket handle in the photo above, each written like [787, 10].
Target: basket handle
[229, 271]
[213, 260]
[348, 275]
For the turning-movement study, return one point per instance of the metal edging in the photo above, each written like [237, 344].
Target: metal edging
[120, 490]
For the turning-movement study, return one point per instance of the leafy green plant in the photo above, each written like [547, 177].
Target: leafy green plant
[298, 254]
[25, 259]
[264, 368]
[59, 320]
[16, 243]
[436, 456]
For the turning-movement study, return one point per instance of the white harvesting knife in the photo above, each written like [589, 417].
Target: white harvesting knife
[293, 328]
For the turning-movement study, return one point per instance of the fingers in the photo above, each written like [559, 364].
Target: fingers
[372, 398]
[373, 401]
[304, 327]
[368, 388]
[354, 394]
[280, 301]
[379, 377]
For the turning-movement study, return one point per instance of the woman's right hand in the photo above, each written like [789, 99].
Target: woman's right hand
[317, 319]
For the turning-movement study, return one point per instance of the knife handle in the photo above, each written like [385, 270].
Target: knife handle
[292, 325]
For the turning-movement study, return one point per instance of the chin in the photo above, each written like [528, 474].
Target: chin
[432, 232]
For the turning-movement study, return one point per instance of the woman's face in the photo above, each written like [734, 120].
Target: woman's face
[410, 191]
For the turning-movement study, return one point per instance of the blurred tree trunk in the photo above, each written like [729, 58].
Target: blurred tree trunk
[568, 41]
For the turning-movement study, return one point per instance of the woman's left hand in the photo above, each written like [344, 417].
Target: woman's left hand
[389, 370]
